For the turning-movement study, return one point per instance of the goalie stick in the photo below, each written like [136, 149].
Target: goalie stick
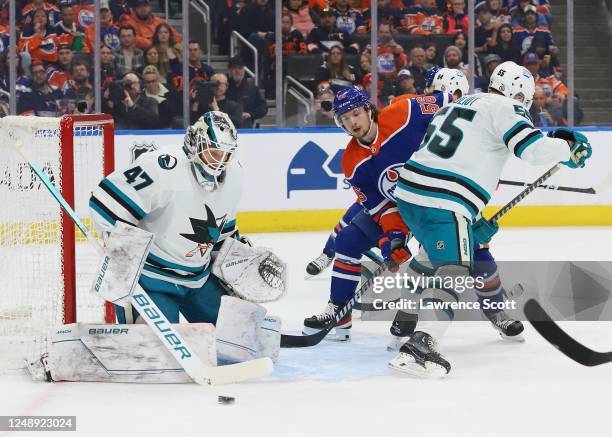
[556, 336]
[293, 341]
[156, 319]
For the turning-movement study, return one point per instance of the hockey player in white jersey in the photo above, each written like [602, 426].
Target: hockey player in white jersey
[449, 180]
[187, 195]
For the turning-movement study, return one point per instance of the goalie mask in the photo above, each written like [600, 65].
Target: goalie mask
[210, 144]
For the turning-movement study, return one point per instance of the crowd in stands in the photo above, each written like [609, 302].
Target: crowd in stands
[141, 55]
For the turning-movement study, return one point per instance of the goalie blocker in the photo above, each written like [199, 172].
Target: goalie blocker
[83, 352]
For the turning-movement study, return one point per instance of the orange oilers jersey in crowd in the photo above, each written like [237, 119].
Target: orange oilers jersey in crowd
[373, 170]
[40, 48]
[554, 84]
[422, 24]
[145, 30]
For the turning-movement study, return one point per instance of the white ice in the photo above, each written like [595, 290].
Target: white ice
[495, 388]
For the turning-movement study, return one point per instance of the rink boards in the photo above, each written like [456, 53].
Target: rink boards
[294, 180]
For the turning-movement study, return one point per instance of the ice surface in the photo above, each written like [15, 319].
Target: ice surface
[495, 388]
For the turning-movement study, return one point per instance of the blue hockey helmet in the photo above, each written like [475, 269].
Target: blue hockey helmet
[430, 76]
[348, 99]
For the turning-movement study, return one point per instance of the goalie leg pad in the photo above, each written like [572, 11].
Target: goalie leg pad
[237, 329]
[244, 331]
[123, 353]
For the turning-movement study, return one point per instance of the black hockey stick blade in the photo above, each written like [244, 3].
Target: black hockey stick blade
[290, 341]
[548, 329]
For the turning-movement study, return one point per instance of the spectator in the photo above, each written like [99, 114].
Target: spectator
[544, 112]
[336, 71]
[130, 108]
[387, 13]
[67, 28]
[431, 55]
[460, 41]
[525, 35]
[384, 89]
[348, 20]
[221, 102]
[456, 19]
[300, 15]
[151, 57]
[505, 46]
[323, 37]
[109, 31]
[79, 73]
[491, 61]
[197, 69]
[532, 63]
[84, 11]
[128, 57]
[27, 13]
[23, 80]
[4, 38]
[499, 11]
[417, 67]
[243, 90]
[168, 101]
[119, 8]
[549, 64]
[145, 23]
[323, 115]
[256, 18]
[424, 19]
[404, 84]
[107, 64]
[59, 72]
[229, 21]
[365, 64]
[543, 6]
[519, 17]
[41, 99]
[293, 44]
[164, 42]
[391, 56]
[486, 33]
[452, 59]
[38, 38]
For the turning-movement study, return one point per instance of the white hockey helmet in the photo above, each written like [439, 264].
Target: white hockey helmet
[210, 144]
[450, 80]
[513, 81]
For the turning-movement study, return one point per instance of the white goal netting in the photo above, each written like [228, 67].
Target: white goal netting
[37, 269]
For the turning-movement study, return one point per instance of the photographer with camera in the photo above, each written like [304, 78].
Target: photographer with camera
[128, 104]
[210, 96]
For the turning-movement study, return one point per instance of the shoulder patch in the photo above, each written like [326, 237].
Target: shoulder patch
[167, 162]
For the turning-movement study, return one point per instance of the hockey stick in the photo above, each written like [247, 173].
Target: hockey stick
[597, 189]
[156, 319]
[291, 341]
[556, 336]
[549, 187]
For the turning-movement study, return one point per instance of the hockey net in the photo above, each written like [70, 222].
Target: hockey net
[46, 268]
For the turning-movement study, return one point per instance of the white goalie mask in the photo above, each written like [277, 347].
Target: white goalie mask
[210, 144]
[514, 81]
[450, 80]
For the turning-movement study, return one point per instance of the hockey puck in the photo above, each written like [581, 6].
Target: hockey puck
[225, 400]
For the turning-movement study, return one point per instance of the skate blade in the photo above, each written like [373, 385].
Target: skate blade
[336, 334]
[406, 364]
[514, 338]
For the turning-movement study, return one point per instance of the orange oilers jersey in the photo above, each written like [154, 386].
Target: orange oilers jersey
[373, 169]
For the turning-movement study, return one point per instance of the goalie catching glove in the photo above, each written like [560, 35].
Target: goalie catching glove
[254, 274]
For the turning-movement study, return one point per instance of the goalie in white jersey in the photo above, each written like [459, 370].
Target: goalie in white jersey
[449, 180]
[187, 195]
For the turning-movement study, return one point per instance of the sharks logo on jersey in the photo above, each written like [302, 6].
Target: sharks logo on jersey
[387, 180]
[205, 232]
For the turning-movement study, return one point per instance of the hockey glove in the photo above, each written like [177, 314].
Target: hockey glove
[393, 248]
[581, 150]
[483, 230]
